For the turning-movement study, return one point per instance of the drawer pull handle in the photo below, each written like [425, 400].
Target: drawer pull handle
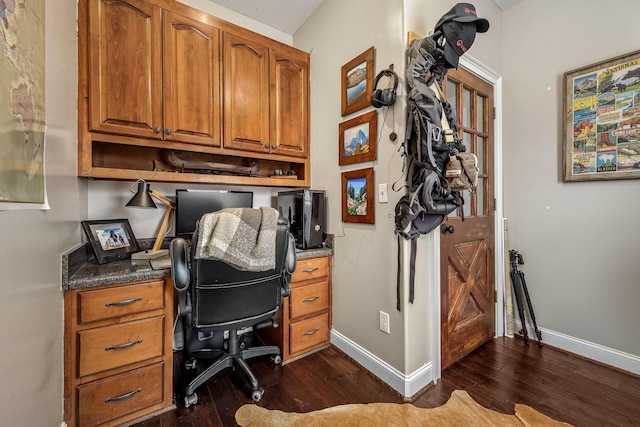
[312, 299]
[123, 397]
[122, 346]
[310, 270]
[125, 302]
[311, 332]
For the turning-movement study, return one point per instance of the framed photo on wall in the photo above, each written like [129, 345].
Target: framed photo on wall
[602, 120]
[357, 139]
[111, 239]
[357, 196]
[357, 82]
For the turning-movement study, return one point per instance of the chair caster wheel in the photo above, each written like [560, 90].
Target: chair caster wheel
[191, 364]
[191, 399]
[276, 359]
[256, 395]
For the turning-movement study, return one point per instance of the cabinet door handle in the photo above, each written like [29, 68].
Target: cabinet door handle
[310, 270]
[311, 332]
[123, 397]
[157, 129]
[274, 146]
[167, 131]
[125, 302]
[122, 346]
[312, 299]
[266, 146]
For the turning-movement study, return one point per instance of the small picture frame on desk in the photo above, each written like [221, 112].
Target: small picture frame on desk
[111, 239]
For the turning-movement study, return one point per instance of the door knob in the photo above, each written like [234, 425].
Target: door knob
[447, 229]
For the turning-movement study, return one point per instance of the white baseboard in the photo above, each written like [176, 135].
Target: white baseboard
[406, 385]
[597, 352]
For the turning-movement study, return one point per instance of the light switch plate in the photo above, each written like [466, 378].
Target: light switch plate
[382, 193]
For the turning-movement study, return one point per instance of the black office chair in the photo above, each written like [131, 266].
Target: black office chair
[214, 297]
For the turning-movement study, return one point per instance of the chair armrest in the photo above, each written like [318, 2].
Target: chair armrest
[179, 264]
[290, 263]
[179, 255]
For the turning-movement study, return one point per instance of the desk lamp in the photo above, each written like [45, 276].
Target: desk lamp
[144, 199]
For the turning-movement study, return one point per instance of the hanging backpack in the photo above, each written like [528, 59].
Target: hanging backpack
[427, 147]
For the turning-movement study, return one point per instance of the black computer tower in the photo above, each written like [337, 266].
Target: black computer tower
[305, 211]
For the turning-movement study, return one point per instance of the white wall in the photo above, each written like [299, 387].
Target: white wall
[32, 242]
[364, 274]
[579, 239]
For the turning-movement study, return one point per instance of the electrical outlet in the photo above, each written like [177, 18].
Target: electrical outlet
[382, 193]
[384, 322]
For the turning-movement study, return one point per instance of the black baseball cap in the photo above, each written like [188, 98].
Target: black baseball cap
[464, 12]
[459, 38]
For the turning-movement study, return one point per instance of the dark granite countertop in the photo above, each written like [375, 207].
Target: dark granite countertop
[80, 269]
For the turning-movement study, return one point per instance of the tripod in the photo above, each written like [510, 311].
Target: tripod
[519, 288]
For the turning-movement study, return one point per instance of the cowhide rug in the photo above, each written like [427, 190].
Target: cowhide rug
[460, 410]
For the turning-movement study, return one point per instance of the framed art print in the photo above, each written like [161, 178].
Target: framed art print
[357, 196]
[357, 139]
[602, 120]
[357, 82]
[111, 239]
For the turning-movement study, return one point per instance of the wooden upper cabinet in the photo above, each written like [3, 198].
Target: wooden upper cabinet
[132, 94]
[192, 103]
[125, 68]
[289, 104]
[156, 77]
[246, 94]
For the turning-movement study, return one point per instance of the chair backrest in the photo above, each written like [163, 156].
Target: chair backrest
[223, 297]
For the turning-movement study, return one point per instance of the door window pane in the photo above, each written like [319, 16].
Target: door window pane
[480, 113]
[451, 95]
[466, 141]
[466, 108]
[466, 207]
[481, 143]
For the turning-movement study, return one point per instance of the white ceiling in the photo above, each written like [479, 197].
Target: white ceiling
[284, 15]
[289, 15]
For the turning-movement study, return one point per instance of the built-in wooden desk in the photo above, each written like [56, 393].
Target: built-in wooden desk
[118, 356]
[118, 333]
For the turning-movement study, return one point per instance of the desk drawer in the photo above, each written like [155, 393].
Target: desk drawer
[309, 333]
[118, 345]
[309, 299]
[311, 268]
[100, 304]
[112, 398]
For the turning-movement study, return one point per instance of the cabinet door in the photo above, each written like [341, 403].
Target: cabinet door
[192, 107]
[125, 68]
[246, 94]
[289, 104]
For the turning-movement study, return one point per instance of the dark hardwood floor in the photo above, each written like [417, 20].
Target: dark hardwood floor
[498, 375]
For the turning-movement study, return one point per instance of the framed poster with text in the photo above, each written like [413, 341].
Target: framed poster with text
[602, 120]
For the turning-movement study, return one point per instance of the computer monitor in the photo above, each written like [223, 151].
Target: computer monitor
[192, 204]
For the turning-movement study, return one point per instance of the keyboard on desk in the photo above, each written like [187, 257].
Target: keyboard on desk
[162, 263]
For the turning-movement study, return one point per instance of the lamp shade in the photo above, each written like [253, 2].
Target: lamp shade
[142, 198]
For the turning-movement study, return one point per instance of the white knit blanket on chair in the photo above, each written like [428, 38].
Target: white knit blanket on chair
[244, 238]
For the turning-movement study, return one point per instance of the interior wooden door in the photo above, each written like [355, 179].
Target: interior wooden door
[467, 279]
